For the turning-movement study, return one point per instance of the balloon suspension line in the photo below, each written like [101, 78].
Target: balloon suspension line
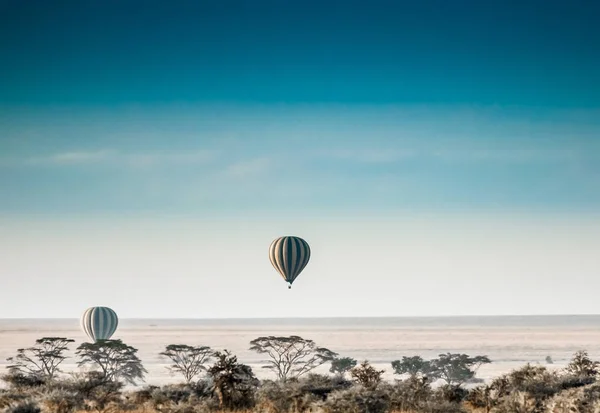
[290, 286]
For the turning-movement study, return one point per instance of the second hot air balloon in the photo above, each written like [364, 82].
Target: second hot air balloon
[99, 323]
[289, 255]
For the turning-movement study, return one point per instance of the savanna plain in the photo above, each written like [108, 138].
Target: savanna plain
[446, 364]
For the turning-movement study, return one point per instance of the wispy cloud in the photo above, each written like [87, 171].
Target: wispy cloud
[507, 154]
[247, 168]
[108, 156]
[70, 158]
[462, 151]
[188, 157]
[369, 155]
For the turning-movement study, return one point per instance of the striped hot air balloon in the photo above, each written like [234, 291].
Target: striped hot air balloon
[99, 323]
[289, 255]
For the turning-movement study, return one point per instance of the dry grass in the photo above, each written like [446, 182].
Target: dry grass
[145, 409]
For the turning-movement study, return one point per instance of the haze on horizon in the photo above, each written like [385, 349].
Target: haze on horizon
[440, 158]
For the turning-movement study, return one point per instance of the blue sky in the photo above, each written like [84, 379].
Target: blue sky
[291, 159]
[264, 118]
[536, 53]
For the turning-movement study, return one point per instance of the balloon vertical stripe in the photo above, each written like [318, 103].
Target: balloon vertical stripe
[289, 255]
[99, 323]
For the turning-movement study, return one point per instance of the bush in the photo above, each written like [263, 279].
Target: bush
[409, 394]
[440, 407]
[518, 402]
[357, 400]
[234, 383]
[452, 394]
[11, 398]
[321, 385]
[93, 389]
[61, 401]
[366, 375]
[298, 395]
[18, 380]
[479, 398]
[143, 395]
[25, 407]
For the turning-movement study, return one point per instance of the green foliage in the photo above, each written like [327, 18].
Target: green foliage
[291, 357]
[456, 369]
[410, 394]
[25, 407]
[187, 360]
[299, 394]
[42, 360]
[582, 366]
[357, 400]
[342, 365]
[17, 380]
[115, 360]
[449, 393]
[528, 389]
[412, 366]
[10, 398]
[92, 385]
[233, 383]
[62, 400]
[366, 375]
[173, 395]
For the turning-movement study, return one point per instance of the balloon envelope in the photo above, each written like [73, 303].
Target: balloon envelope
[99, 323]
[289, 255]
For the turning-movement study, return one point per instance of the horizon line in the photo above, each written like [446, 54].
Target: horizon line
[319, 318]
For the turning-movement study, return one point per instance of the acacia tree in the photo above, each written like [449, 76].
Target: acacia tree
[42, 360]
[187, 360]
[114, 359]
[456, 369]
[414, 367]
[342, 365]
[291, 356]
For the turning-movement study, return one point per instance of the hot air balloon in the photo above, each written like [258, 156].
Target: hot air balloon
[99, 323]
[289, 255]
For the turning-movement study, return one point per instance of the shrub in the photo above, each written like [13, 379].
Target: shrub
[480, 398]
[61, 401]
[17, 380]
[11, 398]
[357, 400]
[440, 407]
[409, 394]
[452, 394]
[582, 365]
[321, 385]
[518, 402]
[93, 388]
[234, 383]
[366, 375]
[299, 394]
[24, 407]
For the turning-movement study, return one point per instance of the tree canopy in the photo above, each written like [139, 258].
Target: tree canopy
[291, 356]
[187, 360]
[42, 360]
[114, 359]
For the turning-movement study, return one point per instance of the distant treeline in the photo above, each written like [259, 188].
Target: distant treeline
[214, 380]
